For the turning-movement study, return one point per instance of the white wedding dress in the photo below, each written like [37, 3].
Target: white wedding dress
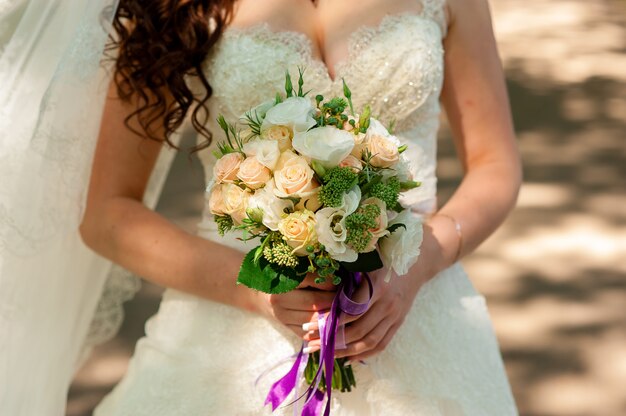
[203, 358]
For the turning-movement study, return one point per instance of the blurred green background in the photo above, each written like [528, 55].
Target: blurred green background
[555, 274]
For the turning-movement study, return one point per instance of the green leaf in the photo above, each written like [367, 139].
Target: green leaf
[266, 277]
[366, 262]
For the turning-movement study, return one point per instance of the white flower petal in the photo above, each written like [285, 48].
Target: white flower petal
[400, 250]
[328, 145]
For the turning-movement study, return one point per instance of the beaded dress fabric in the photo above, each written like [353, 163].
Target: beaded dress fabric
[204, 358]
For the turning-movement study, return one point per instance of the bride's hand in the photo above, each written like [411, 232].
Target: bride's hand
[299, 306]
[370, 333]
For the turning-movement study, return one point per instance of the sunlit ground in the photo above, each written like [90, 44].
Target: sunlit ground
[555, 273]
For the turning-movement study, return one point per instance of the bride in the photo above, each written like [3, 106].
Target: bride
[426, 345]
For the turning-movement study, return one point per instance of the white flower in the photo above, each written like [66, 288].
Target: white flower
[259, 111]
[273, 207]
[328, 145]
[402, 170]
[331, 227]
[295, 113]
[400, 250]
[267, 152]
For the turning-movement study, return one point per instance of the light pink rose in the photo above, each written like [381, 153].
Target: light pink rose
[253, 173]
[235, 201]
[298, 230]
[293, 176]
[216, 201]
[226, 167]
[352, 162]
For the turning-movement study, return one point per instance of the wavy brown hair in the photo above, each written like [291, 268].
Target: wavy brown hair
[160, 44]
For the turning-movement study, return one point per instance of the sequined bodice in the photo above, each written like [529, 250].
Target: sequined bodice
[396, 67]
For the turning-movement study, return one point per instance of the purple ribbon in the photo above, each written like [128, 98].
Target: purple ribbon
[329, 337]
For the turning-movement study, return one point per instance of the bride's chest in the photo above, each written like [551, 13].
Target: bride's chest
[396, 67]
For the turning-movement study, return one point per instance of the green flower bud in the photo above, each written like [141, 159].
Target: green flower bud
[255, 214]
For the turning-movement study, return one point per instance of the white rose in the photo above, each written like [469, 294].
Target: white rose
[226, 167]
[253, 173]
[274, 209]
[328, 145]
[382, 145]
[400, 250]
[298, 230]
[331, 227]
[296, 113]
[266, 152]
[293, 176]
[381, 223]
[235, 202]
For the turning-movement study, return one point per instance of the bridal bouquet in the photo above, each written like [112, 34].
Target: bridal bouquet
[318, 186]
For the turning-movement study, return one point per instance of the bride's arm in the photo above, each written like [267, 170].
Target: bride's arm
[119, 227]
[476, 102]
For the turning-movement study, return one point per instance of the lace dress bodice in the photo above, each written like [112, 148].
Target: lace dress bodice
[396, 67]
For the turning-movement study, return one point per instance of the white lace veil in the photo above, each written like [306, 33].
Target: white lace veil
[52, 87]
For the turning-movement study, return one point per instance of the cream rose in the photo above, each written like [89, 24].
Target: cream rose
[400, 250]
[298, 230]
[382, 145]
[327, 145]
[235, 201]
[295, 113]
[265, 151]
[359, 145]
[331, 227]
[226, 167]
[216, 200]
[381, 223]
[353, 163]
[253, 173]
[280, 134]
[293, 176]
[274, 209]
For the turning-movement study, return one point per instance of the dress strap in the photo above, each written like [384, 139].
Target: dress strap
[436, 10]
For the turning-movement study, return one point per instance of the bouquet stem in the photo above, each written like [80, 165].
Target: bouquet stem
[343, 376]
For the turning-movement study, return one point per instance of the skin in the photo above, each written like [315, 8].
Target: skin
[119, 227]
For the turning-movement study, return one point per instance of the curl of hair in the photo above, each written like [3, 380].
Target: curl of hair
[158, 45]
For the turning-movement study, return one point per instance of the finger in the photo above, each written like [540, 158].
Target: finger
[381, 347]
[309, 282]
[297, 318]
[304, 300]
[311, 336]
[359, 328]
[305, 335]
[312, 347]
[367, 343]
